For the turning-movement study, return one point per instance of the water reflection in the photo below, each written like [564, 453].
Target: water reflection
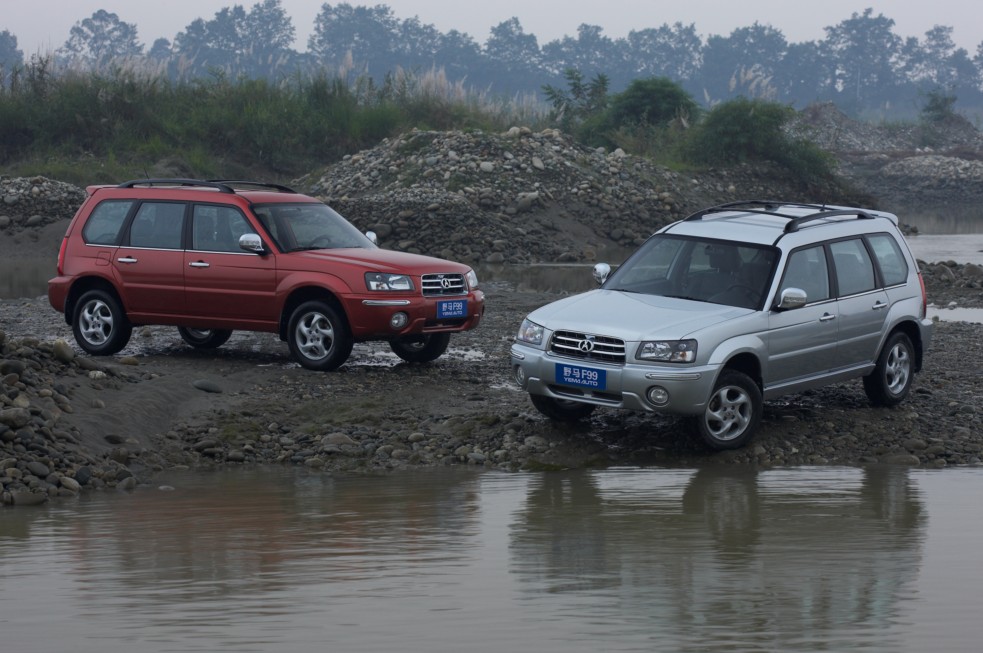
[779, 560]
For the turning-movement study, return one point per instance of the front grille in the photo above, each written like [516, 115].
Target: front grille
[438, 285]
[587, 346]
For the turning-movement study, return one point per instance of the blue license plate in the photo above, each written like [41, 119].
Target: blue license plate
[581, 377]
[452, 308]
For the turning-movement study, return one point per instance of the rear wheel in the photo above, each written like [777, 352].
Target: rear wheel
[421, 348]
[99, 324]
[204, 338]
[318, 336]
[733, 412]
[561, 410]
[890, 381]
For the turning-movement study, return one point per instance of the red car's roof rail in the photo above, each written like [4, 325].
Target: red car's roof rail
[224, 188]
[222, 185]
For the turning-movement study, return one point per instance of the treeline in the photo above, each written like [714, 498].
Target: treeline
[861, 65]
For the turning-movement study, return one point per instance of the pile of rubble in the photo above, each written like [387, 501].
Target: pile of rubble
[28, 202]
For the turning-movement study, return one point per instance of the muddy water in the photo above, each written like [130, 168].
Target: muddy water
[807, 559]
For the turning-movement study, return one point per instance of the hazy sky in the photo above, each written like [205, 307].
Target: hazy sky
[42, 25]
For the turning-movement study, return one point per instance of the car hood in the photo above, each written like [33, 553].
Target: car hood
[632, 316]
[375, 260]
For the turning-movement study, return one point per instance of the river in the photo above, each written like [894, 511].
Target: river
[628, 559]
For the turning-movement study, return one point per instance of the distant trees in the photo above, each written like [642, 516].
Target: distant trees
[861, 64]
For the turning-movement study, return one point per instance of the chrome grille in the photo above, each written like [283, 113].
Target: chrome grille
[587, 346]
[436, 285]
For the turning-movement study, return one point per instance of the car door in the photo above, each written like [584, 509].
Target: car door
[222, 281]
[149, 263]
[801, 342]
[863, 305]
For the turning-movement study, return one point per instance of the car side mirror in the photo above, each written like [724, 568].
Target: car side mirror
[251, 243]
[371, 236]
[601, 272]
[792, 298]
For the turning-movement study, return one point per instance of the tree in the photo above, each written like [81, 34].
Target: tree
[866, 55]
[657, 101]
[672, 52]
[591, 52]
[743, 64]
[362, 37]
[582, 101]
[510, 45]
[100, 39]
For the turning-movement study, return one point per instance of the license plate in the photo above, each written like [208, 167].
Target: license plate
[452, 308]
[581, 377]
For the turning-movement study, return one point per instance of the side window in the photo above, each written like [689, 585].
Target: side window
[854, 269]
[105, 222]
[807, 271]
[893, 266]
[158, 225]
[217, 228]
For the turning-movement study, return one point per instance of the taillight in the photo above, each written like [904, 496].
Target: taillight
[61, 256]
[921, 282]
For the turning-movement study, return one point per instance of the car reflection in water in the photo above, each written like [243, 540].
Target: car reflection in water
[803, 559]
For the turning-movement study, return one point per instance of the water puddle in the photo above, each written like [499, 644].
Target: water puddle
[956, 314]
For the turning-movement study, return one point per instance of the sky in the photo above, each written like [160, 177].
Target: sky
[44, 25]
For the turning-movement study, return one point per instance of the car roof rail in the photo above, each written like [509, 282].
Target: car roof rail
[770, 207]
[225, 188]
[257, 184]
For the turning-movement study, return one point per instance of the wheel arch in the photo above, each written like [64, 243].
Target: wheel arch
[306, 294]
[910, 329]
[84, 285]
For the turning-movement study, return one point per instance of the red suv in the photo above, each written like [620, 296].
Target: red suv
[213, 256]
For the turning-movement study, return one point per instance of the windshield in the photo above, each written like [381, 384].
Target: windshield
[704, 270]
[296, 227]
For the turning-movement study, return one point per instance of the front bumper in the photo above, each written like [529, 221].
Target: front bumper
[626, 386]
[370, 315]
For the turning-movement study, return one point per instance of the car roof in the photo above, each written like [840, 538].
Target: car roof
[768, 222]
[254, 191]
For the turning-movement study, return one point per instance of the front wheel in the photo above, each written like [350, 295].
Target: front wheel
[204, 338]
[890, 381]
[318, 337]
[732, 413]
[561, 410]
[99, 324]
[422, 348]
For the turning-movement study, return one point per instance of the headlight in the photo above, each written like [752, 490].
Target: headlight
[667, 351]
[530, 333]
[380, 281]
[472, 280]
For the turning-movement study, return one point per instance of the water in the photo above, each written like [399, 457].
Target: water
[627, 559]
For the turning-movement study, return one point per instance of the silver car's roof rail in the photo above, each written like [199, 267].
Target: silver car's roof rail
[770, 207]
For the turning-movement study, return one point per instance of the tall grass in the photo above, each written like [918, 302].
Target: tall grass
[126, 121]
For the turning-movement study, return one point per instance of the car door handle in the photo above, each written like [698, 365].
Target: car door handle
[198, 264]
[879, 305]
[126, 259]
[827, 317]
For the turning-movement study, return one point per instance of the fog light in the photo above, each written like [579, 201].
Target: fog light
[520, 376]
[658, 395]
[398, 320]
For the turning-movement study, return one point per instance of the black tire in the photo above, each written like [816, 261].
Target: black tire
[891, 379]
[319, 337]
[204, 338]
[562, 410]
[99, 323]
[733, 412]
[422, 348]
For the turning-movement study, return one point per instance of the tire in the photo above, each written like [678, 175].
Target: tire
[99, 324]
[561, 410]
[733, 412]
[204, 338]
[421, 349]
[891, 379]
[318, 336]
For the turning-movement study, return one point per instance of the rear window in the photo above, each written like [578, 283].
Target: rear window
[105, 222]
[893, 266]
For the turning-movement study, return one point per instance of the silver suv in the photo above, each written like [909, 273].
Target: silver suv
[736, 304]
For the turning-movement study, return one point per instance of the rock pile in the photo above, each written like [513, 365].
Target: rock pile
[39, 456]
[27, 202]
[515, 197]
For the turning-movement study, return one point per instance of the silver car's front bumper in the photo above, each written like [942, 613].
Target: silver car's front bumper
[626, 386]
